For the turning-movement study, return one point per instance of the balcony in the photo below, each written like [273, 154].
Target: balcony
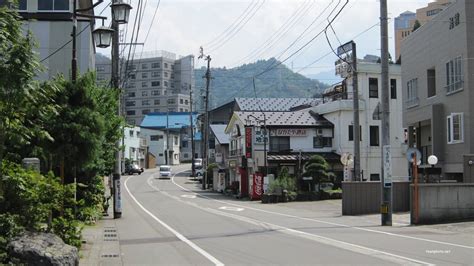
[454, 87]
[238, 152]
[412, 102]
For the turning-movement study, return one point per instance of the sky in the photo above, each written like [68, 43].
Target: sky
[235, 32]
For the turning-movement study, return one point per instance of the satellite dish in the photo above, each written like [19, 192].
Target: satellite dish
[347, 159]
[411, 154]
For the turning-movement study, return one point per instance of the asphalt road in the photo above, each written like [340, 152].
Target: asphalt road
[173, 222]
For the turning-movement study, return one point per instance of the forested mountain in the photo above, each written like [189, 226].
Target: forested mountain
[279, 81]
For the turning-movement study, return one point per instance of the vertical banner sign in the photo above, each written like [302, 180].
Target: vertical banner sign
[117, 198]
[257, 186]
[248, 142]
[387, 166]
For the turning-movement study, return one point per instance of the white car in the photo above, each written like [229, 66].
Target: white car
[165, 171]
[199, 173]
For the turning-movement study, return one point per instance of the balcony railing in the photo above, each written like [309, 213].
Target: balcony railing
[237, 152]
[412, 102]
[454, 87]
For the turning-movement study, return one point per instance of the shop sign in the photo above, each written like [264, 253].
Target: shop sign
[248, 142]
[257, 188]
[289, 132]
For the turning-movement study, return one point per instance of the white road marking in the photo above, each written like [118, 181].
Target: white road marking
[188, 196]
[176, 233]
[321, 239]
[330, 223]
[227, 208]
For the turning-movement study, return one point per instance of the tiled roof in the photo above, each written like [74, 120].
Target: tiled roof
[303, 117]
[221, 136]
[176, 120]
[273, 104]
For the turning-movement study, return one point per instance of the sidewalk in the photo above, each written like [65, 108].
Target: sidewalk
[101, 245]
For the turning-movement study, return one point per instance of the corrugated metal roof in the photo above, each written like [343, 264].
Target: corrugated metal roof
[171, 120]
[221, 136]
[273, 104]
[296, 118]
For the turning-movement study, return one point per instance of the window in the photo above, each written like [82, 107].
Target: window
[132, 112]
[412, 93]
[351, 133]
[131, 133]
[180, 109]
[431, 75]
[144, 84]
[145, 75]
[157, 102]
[186, 102]
[166, 65]
[455, 128]
[373, 88]
[374, 177]
[156, 110]
[279, 143]
[171, 101]
[155, 83]
[374, 136]
[132, 67]
[23, 5]
[131, 85]
[131, 94]
[181, 101]
[454, 75]
[130, 103]
[186, 110]
[53, 5]
[155, 65]
[145, 111]
[175, 140]
[184, 144]
[155, 74]
[144, 93]
[166, 74]
[185, 155]
[155, 92]
[321, 142]
[393, 88]
[132, 76]
[165, 83]
[100, 68]
[145, 102]
[144, 66]
[155, 137]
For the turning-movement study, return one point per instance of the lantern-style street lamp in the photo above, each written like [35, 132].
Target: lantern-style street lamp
[121, 12]
[102, 36]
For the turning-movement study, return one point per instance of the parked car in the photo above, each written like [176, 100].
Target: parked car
[199, 173]
[133, 169]
[197, 163]
[165, 171]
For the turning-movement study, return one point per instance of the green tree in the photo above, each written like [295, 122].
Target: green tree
[20, 95]
[416, 25]
[317, 167]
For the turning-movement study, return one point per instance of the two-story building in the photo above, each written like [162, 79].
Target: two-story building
[338, 108]
[265, 142]
[437, 68]
[135, 146]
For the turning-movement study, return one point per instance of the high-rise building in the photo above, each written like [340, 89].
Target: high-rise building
[405, 22]
[156, 82]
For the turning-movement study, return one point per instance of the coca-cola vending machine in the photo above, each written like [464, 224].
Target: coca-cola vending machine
[257, 186]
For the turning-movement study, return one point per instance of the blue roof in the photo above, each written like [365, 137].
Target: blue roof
[171, 120]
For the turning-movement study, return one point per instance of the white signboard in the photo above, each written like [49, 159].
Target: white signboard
[289, 132]
[117, 196]
[387, 166]
[218, 157]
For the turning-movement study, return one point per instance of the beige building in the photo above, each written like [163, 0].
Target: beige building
[405, 22]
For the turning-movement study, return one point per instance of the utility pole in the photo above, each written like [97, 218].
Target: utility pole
[74, 46]
[116, 85]
[386, 184]
[206, 117]
[355, 88]
[167, 133]
[193, 168]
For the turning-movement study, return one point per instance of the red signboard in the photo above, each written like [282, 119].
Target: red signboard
[248, 142]
[257, 186]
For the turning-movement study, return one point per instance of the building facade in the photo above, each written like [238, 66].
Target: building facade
[50, 22]
[135, 146]
[437, 73]
[337, 107]
[405, 22]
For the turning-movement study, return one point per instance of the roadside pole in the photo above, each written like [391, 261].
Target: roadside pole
[356, 128]
[206, 119]
[193, 168]
[386, 184]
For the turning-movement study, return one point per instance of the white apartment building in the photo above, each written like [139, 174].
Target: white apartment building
[50, 22]
[153, 82]
[337, 107]
[159, 145]
[135, 146]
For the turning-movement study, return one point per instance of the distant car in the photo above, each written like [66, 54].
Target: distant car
[133, 169]
[197, 162]
[325, 186]
[165, 171]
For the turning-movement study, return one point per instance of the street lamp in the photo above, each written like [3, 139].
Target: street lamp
[102, 36]
[432, 160]
[121, 12]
